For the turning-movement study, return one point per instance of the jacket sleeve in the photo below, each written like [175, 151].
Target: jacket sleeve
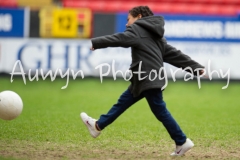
[128, 38]
[175, 57]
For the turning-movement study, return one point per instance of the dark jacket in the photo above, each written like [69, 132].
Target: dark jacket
[145, 37]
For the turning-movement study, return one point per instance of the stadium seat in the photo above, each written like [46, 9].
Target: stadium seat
[8, 3]
[211, 9]
[196, 8]
[229, 10]
[225, 1]
[206, 7]
[180, 8]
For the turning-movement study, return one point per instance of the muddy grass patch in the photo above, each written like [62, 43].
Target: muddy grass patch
[46, 150]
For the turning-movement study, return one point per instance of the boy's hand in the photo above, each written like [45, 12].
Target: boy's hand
[202, 72]
[92, 49]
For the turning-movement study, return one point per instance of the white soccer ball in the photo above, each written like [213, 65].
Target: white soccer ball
[11, 105]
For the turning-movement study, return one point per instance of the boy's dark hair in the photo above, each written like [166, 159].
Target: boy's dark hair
[143, 10]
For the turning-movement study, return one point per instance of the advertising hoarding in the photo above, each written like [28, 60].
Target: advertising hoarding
[53, 54]
[14, 22]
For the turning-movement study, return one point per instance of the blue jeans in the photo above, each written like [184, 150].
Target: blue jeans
[157, 105]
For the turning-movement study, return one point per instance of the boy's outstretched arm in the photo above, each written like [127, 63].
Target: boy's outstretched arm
[128, 38]
[175, 57]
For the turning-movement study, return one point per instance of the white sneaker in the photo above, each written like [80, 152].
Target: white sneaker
[91, 124]
[180, 150]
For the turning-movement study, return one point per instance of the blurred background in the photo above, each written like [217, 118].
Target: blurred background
[51, 34]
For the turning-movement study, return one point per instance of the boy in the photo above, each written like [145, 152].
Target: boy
[144, 34]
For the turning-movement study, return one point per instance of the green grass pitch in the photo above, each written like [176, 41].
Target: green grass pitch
[50, 128]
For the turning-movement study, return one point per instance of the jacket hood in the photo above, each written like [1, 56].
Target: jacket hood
[153, 24]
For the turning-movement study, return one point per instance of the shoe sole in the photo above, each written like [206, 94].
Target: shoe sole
[182, 152]
[186, 150]
[87, 126]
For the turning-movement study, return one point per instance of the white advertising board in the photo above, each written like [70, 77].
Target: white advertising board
[75, 55]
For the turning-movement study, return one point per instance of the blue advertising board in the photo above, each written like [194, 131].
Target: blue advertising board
[13, 22]
[195, 28]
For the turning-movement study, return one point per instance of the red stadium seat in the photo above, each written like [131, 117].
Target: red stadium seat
[181, 8]
[228, 10]
[196, 8]
[73, 3]
[225, 1]
[8, 3]
[160, 6]
[211, 9]
[97, 5]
